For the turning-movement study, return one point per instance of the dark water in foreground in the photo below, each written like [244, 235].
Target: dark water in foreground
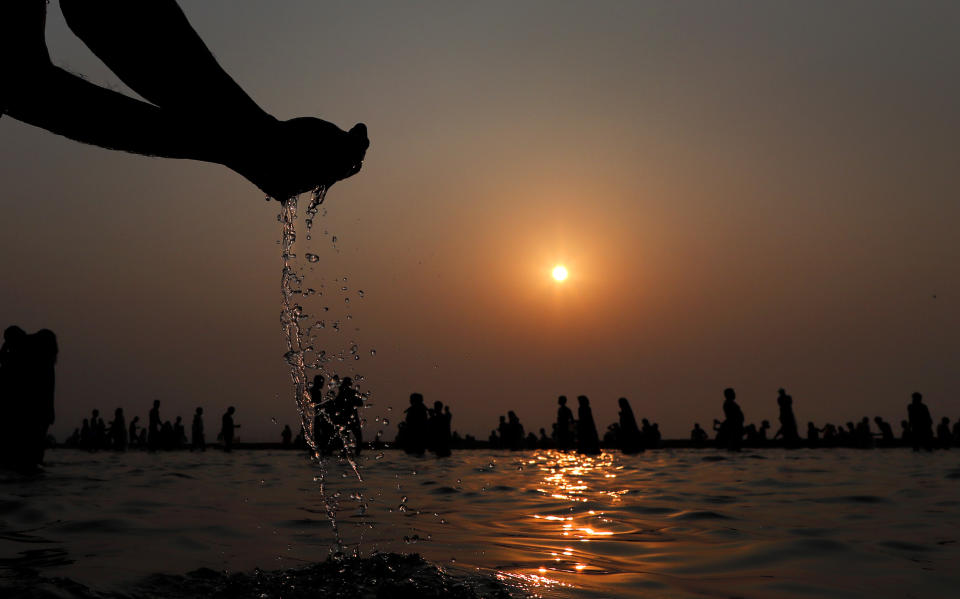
[838, 523]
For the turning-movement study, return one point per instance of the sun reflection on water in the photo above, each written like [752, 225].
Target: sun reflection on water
[569, 481]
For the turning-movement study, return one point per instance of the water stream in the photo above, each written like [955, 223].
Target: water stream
[303, 355]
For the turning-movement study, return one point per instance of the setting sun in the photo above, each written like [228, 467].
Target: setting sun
[560, 273]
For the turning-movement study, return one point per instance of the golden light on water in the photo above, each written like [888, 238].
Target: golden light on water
[560, 273]
[571, 479]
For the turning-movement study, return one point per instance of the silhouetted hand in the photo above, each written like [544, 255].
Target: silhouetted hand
[291, 157]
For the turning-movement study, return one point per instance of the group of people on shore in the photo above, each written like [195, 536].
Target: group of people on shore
[159, 435]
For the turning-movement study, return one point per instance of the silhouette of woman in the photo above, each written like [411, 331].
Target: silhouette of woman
[788, 422]
[193, 109]
[565, 425]
[587, 439]
[415, 430]
[630, 440]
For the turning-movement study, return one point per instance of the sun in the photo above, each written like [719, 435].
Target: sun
[560, 273]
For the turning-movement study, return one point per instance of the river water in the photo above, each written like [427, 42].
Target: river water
[667, 523]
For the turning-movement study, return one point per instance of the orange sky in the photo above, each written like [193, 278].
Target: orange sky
[754, 198]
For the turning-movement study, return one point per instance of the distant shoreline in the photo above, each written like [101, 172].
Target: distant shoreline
[485, 446]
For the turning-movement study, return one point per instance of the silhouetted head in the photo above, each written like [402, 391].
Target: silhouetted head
[44, 345]
[810, 425]
[446, 409]
[645, 422]
[438, 406]
[179, 419]
[945, 420]
[878, 419]
[765, 424]
[696, 425]
[917, 397]
[781, 392]
[623, 402]
[503, 419]
[156, 403]
[562, 400]
[231, 410]
[865, 420]
[199, 411]
[118, 412]
[346, 382]
[512, 416]
[904, 424]
[729, 394]
[416, 398]
[13, 335]
[584, 401]
[96, 413]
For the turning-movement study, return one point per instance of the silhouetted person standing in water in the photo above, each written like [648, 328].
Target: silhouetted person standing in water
[438, 427]
[193, 109]
[587, 439]
[134, 438]
[197, 440]
[118, 431]
[921, 424]
[27, 386]
[788, 422]
[730, 431]
[153, 426]
[286, 437]
[630, 440]
[565, 424]
[322, 418]
[415, 429]
[227, 427]
[346, 413]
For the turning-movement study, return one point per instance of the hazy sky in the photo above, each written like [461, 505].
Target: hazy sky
[746, 194]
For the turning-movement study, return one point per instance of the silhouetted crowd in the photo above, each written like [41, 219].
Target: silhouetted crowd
[429, 429]
[916, 430]
[159, 435]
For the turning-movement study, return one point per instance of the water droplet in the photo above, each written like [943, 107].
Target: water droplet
[360, 292]
[312, 258]
[379, 456]
[386, 421]
[373, 352]
[334, 240]
[274, 420]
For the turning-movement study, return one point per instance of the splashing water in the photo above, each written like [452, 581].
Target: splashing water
[299, 347]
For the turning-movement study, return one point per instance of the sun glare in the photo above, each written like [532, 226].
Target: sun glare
[560, 273]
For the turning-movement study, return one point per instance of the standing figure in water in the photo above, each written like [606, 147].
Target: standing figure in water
[730, 431]
[564, 432]
[630, 440]
[587, 439]
[788, 422]
[227, 427]
[921, 424]
[438, 427]
[134, 438]
[27, 386]
[153, 432]
[322, 416]
[197, 440]
[118, 431]
[698, 436]
[346, 413]
[415, 429]
[193, 109]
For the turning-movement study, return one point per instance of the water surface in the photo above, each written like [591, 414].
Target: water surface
[839, 523]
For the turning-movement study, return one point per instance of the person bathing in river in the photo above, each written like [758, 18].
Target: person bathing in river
[193, 109]
[227, 427]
